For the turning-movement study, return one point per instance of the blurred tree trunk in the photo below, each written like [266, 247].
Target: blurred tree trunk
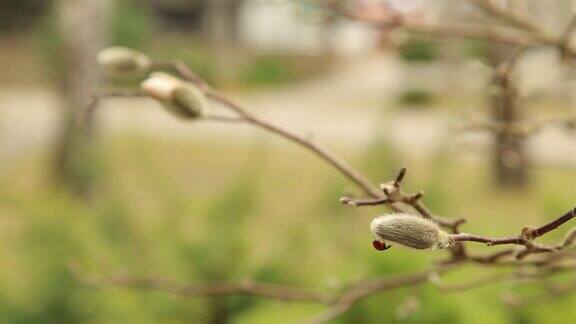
[82, 29]
[328, 27]
[510, 156]
[221, 28]
[221, 19]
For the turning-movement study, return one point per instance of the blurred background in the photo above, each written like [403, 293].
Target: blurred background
[200, 202]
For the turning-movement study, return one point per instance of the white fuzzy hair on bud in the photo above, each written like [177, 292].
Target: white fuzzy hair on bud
[179, 97]
[409, 230]
[120, 62]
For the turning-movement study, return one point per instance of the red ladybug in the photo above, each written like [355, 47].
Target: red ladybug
[380, 246]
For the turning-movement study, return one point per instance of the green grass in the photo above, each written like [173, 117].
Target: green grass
[416, 98]
[419, 50]
[196, 211]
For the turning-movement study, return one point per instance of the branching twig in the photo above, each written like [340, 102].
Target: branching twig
[394, 194]
[527, 33]
[367, 288]
[518, 275]
[520, 129]
[526, 237]
[95, 101]
[247, 287]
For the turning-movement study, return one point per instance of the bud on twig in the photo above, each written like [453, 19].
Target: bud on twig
[120, 62]
[409, 230]
[179, 97]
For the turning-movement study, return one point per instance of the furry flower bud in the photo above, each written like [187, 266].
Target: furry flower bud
[409, 230]
[119, 62]
[179, 97]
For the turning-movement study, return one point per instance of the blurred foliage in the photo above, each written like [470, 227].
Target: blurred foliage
[475, 49]
[276, 70]
[267, 70]
[182, 211]
[131, 24]
[419, 50]
[416, 98]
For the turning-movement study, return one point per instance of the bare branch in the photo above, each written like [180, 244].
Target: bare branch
[517, 275]
[364, 289]
[529, 33]
[516, 19]
[521, 129]
[90, 109]
[363, 202]
[537, 232]
[181, 68]
[568, 36]
[246, 287]
[394, 194]
[525, 239]
[225, 119]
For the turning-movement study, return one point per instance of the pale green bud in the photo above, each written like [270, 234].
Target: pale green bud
[409, 230]
[123, 62]
[179, 97]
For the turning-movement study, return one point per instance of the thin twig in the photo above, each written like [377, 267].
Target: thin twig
[394, 194]
[364, 289]
[537, 232]
[568, 36]
[225, 119]
[258, 289]
[92, 106]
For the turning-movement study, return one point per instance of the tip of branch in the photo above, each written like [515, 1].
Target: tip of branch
[385, 189]
[347, 201]
[400, 176]
[417, 196]
[459, 222]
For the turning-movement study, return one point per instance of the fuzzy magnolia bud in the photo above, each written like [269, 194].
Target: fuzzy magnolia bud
[179, 97]
[409, 230]
[120, 62]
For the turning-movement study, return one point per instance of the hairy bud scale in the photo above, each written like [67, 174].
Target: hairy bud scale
[409, 230]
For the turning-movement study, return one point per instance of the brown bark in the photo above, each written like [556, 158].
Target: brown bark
[221, 19]
[221, 29]
[82, 28]
[510, 158]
